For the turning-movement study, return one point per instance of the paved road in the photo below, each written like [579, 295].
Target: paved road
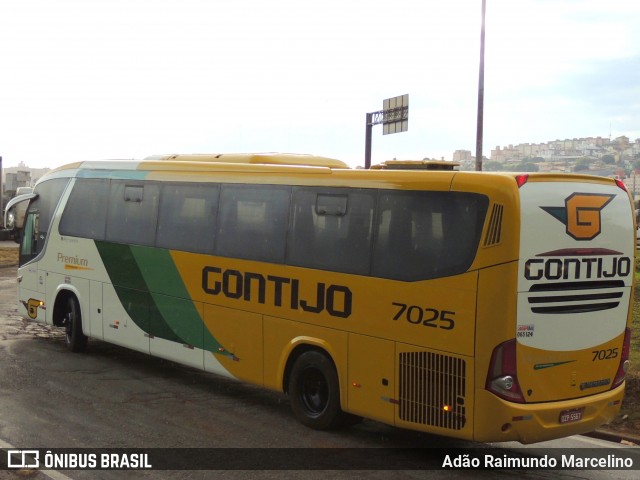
[115, 398]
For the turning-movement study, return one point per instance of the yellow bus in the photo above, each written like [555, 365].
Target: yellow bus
[482, 306]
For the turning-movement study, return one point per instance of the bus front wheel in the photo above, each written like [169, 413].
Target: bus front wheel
[315, 391]
[76, 340]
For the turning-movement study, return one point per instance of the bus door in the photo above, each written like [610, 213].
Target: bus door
[38, 218]
[31, 285]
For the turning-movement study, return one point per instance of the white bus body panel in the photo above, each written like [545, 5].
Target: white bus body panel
[577, 264]
[117, 325]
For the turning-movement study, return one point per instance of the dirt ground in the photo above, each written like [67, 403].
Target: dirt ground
[629, 419]
[8, 257]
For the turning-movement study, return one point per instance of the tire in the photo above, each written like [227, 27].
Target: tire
[315, 391]
[75, 340]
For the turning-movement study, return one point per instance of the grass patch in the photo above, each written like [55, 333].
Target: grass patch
[634, 354]
[629, 418]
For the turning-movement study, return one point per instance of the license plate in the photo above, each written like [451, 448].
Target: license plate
[573, 415]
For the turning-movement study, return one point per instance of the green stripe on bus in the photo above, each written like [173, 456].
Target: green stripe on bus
[172, 298]
[147, 276]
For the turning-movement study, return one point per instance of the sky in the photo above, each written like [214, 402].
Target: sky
[123, 79]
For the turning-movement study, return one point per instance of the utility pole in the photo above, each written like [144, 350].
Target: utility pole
[480, 121]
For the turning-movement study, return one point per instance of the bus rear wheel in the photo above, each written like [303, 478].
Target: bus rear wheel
[75, 340]
[315, 391]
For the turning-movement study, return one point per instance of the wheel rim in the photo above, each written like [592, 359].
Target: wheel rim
[314, 392]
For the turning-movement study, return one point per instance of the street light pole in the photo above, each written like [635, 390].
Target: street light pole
[480, 121]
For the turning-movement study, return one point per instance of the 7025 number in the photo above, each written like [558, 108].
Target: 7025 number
[607, 354]
[429, 317]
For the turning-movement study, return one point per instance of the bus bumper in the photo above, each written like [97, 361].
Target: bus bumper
[497, 420]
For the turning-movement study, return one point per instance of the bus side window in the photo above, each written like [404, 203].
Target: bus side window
[253, 222]
[394, 244]
[187, 217]
[331, 229]
[424, 235]
[86, 210]
[133, 211]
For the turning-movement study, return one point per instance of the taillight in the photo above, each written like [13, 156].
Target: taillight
[624, 359]
[502, 378]
[522, 179]
[621, 184]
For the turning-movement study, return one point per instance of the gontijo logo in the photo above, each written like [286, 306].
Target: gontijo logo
[581, 214]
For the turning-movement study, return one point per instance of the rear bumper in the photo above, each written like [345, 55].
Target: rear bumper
[497, 420]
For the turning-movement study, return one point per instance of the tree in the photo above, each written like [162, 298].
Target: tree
[582, 164]
[492, 167]
[608, 159]
[528, 167]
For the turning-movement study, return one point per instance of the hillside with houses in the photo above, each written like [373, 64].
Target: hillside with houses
[618, 157]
